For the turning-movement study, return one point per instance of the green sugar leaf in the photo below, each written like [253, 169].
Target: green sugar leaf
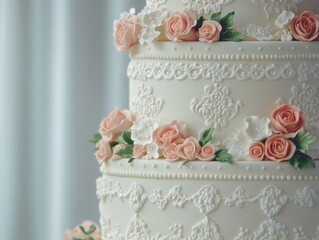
[216, 16]
[206, 137]
[303, 141]
[199, 23]
[227, 21]
[126, 138]
[184, 163]
[222, 155]
[131, 160]
[127, 152]
[302, 161]
[96, 138]
[77, 238]
[91, 230]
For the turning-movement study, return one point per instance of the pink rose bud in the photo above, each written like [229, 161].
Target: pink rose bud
[180, 26]
[279, 148]
[171, 151]
[287, 120]
[116, 122]
[126, 32]
[117, 148]
[207, 153]
[210, 31]
[189, 149]
[169, 132]
[257, 151]
[305, 27]
[139, 151]
[104, 152]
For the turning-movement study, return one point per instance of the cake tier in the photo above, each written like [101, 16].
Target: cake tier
[162, 200]
[219, 85]
[250, 14]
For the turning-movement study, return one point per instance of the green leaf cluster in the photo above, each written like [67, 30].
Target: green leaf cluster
[127, 141]
[228, 33]
[301, 160]
[86, 233]
[206, 137]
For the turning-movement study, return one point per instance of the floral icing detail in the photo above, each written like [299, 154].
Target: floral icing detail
[206, 6]
[260, 33]
[145, 104]
[216, 72]
[308, 71]
[301, 235]
[207, 200]
[206, 228]
[272, 200]
[138, 229]
[271, 229]
[271, 6]
[142, 131]
[217, 107]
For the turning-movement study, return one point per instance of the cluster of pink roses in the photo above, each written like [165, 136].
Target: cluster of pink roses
[111, 129]
[286, 122]
[175, 144]
[305, 27]
[180, 26]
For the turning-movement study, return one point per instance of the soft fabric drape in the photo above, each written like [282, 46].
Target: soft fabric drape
[59, 76]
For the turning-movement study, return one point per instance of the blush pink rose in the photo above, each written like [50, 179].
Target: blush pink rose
[126, 32]
[287, 120]
[210, 31]
[257, 151]
[77, 232]
[180, 26]
[115, 123]
[279, 148]
[189, 149]
[305, 27]
[206, 153]
[104, 152]
[171, 151]
[169, 132]
[117, 148]
[139, 151]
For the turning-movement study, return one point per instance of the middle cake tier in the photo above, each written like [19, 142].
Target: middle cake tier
[219, 85]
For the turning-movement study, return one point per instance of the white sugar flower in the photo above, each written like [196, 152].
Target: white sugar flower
[142, 131]
[257, 128]
[284, 19]
[286, 35]
[152, 151]
[238, 145]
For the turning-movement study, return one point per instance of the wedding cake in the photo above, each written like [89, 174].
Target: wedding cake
[220, 141]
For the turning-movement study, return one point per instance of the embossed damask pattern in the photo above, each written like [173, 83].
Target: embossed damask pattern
[271, 6]
[216, 72]
[145, 104]
[206, 6]
[216, 107]
[272, 200]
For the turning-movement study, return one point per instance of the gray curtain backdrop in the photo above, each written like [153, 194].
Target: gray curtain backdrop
[59, 76]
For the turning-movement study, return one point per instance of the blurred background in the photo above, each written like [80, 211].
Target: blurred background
[59, 76]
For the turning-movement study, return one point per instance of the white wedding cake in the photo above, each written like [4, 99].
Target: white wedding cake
[220, 141]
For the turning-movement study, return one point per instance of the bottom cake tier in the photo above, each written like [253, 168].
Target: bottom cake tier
[160, 200]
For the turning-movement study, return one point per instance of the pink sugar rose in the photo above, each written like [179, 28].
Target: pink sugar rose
[257, 151]
[180, 26]
[126, 32]
[77, 232]
[305, 27]
[279, 148]
[115, 150]
[104, 152]
[287, 120]
[115, 123]
[206, 153]
[210, 31]
[169, 132]
[171, 151]
[189, 149]
[139, 151]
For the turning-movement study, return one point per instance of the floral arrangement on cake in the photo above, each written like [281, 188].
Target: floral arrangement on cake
[152, 25]
[122, 136]
[280, 138]
[87, 230]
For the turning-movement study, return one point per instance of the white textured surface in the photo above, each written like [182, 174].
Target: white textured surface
[227, 200]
